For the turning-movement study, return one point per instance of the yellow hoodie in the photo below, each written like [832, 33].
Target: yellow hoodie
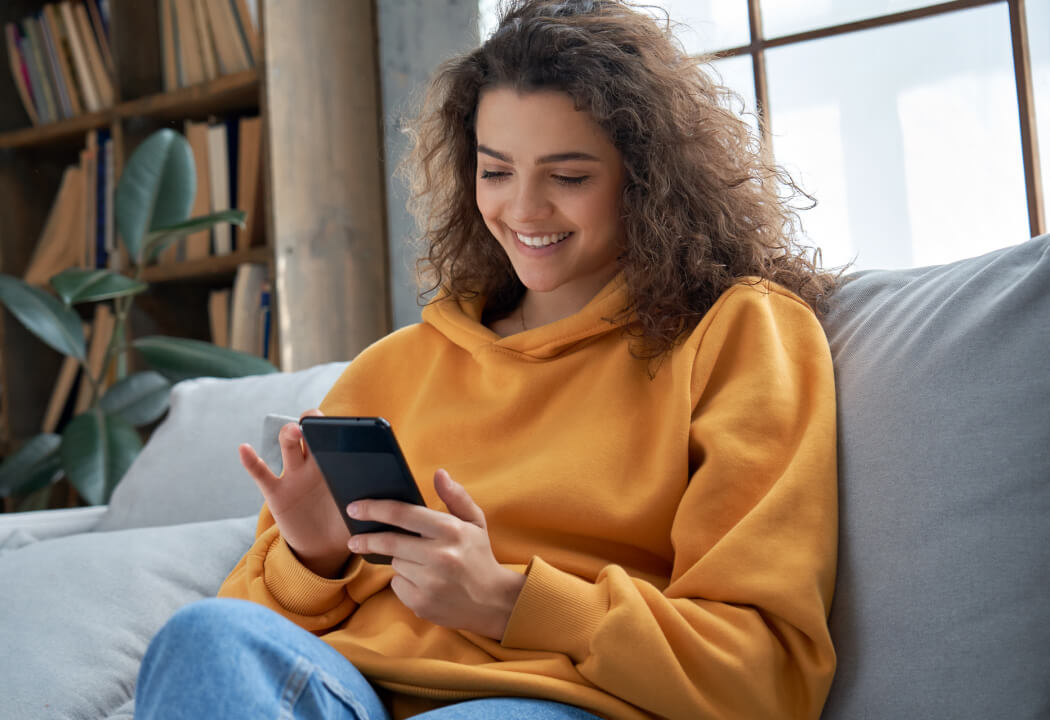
[678, 533]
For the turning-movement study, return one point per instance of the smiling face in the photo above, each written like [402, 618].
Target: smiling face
[548, 187]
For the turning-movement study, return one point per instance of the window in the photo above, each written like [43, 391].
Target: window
[912, 123]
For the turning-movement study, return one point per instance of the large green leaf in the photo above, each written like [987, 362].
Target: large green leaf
[43, 315]
[35, 465]
[139, 399]
[156, 189]
[181, 358]
[77, 285]
[157, 240]
[97, 449]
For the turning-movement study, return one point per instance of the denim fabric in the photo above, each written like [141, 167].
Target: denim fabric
[222, 658]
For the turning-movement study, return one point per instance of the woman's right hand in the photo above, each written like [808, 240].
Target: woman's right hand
[301, 504]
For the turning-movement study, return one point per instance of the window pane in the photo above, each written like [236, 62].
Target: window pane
[737, 74]
[786, 17]
[909, 137]
[708, 25]
[1039, 46]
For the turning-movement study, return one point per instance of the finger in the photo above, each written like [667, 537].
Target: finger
[457, 499]
[405, 548]
[414, 518]
[257, 468]
[293, 448]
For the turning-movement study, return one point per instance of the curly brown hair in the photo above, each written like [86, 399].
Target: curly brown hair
[702, 207]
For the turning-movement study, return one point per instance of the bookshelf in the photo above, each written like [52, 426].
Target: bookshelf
[315, 88]
[32, 159]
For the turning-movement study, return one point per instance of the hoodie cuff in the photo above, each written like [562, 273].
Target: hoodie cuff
[556, 611]
[298, 589]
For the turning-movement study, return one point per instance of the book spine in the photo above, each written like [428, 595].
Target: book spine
[54, 72]
[20, 72]
[38, 72]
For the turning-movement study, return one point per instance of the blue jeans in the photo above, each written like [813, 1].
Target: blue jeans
[222, 658]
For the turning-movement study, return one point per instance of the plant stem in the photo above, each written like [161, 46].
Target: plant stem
[121, 309]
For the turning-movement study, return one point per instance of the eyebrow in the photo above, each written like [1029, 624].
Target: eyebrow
[555, 158]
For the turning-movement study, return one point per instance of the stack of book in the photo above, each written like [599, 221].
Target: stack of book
[80, 230]
[61, 60]
[226, 153]
[203, 39]
[241, 317]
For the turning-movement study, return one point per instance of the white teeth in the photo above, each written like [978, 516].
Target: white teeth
[541, 240]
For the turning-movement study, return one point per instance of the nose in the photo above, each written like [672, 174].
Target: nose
[530, 203]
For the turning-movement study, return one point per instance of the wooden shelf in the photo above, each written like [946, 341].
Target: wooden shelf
[205, 267]
[224, 93]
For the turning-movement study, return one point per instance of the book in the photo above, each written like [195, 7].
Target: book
[54, 72]
[89, 168]
[57, 30]
[219, 316]
[265, 321]
[101, 333]
[38, 71]
[207, 44]
[101, 29]
[106, 91]
[245, 331]
[191, 67]
[19, 71]
[59, 247]
[103, 157]
[109, 231]
[166, 19]
[90, 91]
[246, 30]
[198, 245]
[248, 179]
[219, 181]
[228, 45]
[60, 394]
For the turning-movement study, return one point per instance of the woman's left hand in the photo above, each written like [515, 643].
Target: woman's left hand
[448, 575]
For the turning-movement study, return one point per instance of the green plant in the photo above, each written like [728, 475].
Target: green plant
[151, 207]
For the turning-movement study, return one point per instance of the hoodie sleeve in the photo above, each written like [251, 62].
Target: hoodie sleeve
[740, 630]
[271, 574]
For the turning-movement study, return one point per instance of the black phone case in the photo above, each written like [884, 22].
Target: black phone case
[360, 458]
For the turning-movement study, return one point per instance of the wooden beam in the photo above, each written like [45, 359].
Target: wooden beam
[1026, 108]
[326, 201]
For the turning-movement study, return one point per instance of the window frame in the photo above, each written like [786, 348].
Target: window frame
[1022, 62]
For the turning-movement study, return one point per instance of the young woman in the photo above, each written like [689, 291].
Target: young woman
[624, 400]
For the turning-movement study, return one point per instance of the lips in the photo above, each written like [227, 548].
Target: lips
[541, 240]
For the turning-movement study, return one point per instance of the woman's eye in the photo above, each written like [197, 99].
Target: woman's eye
[571, 180]
[493, 175]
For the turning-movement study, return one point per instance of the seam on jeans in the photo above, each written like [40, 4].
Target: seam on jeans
[293, 687]
[347, 697]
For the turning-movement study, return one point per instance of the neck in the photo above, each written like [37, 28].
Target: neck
[542, 308]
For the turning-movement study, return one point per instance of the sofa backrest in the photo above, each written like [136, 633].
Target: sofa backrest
[942, 606]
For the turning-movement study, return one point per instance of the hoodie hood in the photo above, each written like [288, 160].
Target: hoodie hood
[460, 322]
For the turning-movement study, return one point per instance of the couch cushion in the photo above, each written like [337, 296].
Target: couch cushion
[941, 607]
[79, 611]
[189, 471]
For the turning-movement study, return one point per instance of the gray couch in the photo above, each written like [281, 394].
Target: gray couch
[942, 608]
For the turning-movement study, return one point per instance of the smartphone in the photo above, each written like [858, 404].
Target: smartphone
[360, 459]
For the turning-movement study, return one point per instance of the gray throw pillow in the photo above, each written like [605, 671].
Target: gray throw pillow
[189, 471]
[77, 613]
[943, 374]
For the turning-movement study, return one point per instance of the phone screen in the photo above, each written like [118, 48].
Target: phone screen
[360, 458]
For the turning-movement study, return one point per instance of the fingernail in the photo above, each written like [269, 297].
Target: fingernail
[353, 509]
[354, 544]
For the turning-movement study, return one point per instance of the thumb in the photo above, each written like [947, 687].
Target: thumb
[457, 499]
